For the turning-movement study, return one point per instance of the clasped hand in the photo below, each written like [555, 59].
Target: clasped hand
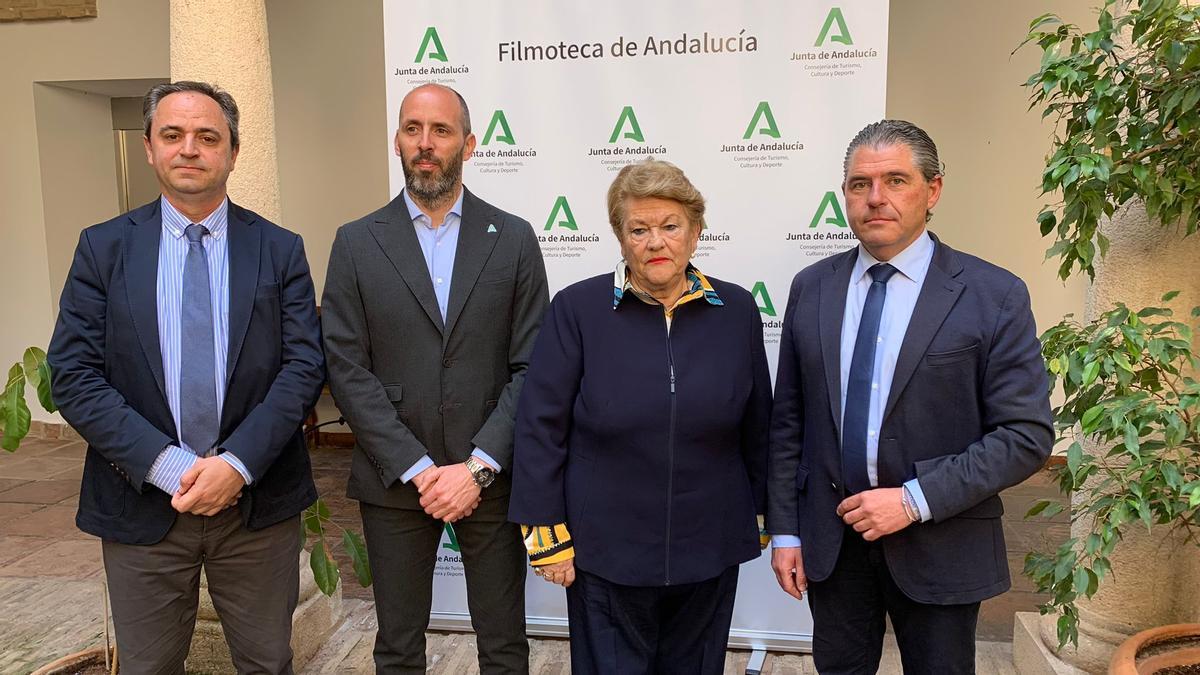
[210, 486]
[448, 493]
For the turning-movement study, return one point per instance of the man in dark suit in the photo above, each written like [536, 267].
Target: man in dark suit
[910, 392]
[186, 354]
[430, 310]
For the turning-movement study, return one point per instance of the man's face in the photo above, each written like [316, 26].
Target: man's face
[431, 144]
[887, 198]
[190, 147]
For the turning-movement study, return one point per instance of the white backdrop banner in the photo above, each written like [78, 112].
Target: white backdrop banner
[754, 100]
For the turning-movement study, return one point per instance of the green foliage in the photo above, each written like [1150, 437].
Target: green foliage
[1127, 123]
[14, 411]
[1127, 386]
[316, 519]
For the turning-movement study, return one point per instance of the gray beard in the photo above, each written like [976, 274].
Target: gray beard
[431, 191]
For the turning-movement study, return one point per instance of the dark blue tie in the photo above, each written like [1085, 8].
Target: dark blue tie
[197, 380]
[858, 387]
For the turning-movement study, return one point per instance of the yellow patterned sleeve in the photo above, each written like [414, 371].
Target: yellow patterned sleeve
[547, 544]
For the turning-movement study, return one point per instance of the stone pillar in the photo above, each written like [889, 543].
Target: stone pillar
[1155, 575]
[224, 42]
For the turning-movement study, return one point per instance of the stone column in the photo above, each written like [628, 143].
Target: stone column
[225, 42]
[1155, 576]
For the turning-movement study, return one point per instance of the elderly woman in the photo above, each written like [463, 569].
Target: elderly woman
[641, 441]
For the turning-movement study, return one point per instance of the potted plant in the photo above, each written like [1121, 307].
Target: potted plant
[1124, 97]
[14, 411]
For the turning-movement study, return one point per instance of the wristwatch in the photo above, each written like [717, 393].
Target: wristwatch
[482, 474]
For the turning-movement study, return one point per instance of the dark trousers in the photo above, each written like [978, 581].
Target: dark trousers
[848, 612]
[402, 545]
[253, 578]
[666, 629]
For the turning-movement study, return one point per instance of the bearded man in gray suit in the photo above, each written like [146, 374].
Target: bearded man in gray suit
[430, 310]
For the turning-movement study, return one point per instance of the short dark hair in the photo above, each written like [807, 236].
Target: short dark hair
[160, 91]
[898, 132]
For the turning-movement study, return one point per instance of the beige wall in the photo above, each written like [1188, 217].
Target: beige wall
[128, 40]
[949, 71]
[331, 122]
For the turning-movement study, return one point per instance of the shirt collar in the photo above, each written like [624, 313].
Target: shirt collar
[912, 262]
[175, 223]
[419, 216]
[698, 286]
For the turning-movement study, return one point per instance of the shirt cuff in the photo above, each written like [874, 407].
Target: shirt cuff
[785, 541]
[478, 453]
[169, 467]
[914, 490]
[237, 466]
[422, 464]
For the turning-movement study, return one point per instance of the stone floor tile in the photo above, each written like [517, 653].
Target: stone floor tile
[9, 483]
[13, 549]
[10, 512]
[37, 468]
[57, 522]
[41, 492]
[62, 559]
[72, 450]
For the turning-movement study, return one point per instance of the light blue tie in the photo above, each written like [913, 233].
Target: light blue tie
[197, 381]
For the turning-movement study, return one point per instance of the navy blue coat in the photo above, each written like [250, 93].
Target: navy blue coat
[659, 482]
[968, 415]
[108, 375]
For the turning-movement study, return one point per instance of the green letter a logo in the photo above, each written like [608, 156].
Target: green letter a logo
[763, 111]
[505, 135]
[830, 201]
[765, 306]
[843, 34]
[567, 219]
[453, 543]
[438, 53]
[635, 130]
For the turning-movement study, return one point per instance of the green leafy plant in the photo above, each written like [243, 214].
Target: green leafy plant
[325, 570]
[14, 411]
[1127, 121]
[1126, 386]
[1127, 130]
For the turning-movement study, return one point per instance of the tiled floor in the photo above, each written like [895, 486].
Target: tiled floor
[52, 595]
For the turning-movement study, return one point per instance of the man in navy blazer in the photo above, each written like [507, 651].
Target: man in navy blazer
[910, 392]
[187, 353]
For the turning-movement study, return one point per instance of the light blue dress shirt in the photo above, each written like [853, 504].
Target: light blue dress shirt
[175, 460]
[439, 245]
[902, 292]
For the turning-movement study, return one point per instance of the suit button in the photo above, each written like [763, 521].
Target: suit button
[446, 363]
[835, 487]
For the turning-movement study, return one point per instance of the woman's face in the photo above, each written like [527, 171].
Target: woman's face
[657, 242]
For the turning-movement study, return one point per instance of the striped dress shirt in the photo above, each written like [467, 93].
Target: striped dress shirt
[172, 253]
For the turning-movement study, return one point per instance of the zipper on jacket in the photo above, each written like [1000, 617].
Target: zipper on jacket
[670, 452]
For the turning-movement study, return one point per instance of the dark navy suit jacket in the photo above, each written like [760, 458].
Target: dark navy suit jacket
[968, 415]
[108, 374]
[656, 486]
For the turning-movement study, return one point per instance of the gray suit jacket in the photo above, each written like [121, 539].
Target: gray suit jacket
[409, 385]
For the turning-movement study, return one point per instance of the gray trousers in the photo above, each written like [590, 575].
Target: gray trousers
[253, 578]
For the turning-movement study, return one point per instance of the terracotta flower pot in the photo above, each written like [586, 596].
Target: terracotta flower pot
[79, 662]
[1165, 650]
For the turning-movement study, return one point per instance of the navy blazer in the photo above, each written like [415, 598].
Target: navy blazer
[968, 414]
[659, 479]
[108, 374]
